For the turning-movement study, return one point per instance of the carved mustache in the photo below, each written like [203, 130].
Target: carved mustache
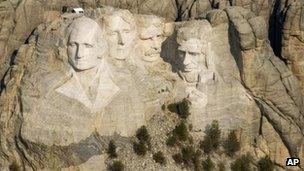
[152, 52]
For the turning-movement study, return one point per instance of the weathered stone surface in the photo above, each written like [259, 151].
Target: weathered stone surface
[265, 75]
[292, 40]
[218, 81]
[77, 83]
[166, 8]
[22, 16]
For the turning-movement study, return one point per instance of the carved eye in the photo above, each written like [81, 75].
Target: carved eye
[88, 45]
[126, 31]
[72, 44]
[193, 53]
[181, 53]
[113, 34]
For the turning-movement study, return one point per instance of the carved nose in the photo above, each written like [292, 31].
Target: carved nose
[187, 59]
[80, 52]
[120, 41]
[154, 46]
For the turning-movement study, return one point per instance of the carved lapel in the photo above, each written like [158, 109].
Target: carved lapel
[107, 90]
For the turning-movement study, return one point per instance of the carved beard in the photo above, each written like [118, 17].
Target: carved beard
[190, 77]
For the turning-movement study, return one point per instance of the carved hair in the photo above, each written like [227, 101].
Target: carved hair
[146, 21]
[126, 15]
[85, 23]
[197, 29]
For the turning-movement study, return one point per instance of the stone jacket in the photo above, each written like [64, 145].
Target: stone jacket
[65, 114]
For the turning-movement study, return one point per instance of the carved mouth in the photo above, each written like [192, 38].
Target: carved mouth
[150, 53]
[81, 62]
[189, 68]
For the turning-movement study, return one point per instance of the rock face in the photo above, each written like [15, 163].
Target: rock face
[81, 80]
[211, 81]
[292, 39]
[20, 17]
[265, 75]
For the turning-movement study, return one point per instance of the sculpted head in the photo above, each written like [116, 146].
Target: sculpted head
[121, 31]
[192, 46]
[85, 44]
[151, 37]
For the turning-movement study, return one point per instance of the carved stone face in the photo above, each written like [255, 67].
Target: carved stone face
[190, 53]
[193, 40]
[83, 47]
[150, 37]
[121, 37]
[151, 41]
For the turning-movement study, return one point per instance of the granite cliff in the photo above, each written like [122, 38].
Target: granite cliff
[71, 84]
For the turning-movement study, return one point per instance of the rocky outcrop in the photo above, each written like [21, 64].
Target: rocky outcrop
[292, 39]
[55, 114]
[19, 18]
[265, 75]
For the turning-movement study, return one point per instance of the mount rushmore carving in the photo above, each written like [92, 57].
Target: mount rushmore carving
[84, 79]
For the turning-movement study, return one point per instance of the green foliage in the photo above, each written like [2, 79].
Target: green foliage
[178, 158]
[140, 148]
[163, 107]
[116, 166]
[181, 131]
[212, 137]
[242, 163]
[144, 138]
[172, 140]
[265, 164]
[206, 145]
[112, 150]
[159, 158]
[181, 108]
[231, 144]
[196, 160]
[188, 155]
[143, 135]
[208, 164]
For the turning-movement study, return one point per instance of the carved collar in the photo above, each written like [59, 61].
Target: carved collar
[107, 89]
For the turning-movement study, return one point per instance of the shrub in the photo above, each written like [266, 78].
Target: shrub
[208, 164]
[116, 166]
[231, 144]
[178, 158]
[242, 163]
[112, 150]
[197, 156]
[188, 155]
[212, 137]
[206, 145]
[181, 108]
[143, 135]
[140, 148]
[159, 158]
[172, 140]
[196, 160]
[181, 131]
[265, 164]
[163, 107]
